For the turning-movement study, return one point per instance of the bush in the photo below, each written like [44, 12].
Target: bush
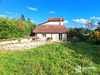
[15, 29]
[75, 39]
[95, 37]
[76, 34]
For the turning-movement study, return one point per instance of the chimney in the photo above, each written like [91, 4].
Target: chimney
[60, 17]
[60, 22]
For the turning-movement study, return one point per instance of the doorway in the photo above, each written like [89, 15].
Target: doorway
[60, 36]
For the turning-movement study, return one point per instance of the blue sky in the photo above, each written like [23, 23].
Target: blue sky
[75, 12]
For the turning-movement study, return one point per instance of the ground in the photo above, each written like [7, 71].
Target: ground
[21, 46]
[52, 59]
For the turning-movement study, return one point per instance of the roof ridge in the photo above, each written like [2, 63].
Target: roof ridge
[49, 25]
[43, 23]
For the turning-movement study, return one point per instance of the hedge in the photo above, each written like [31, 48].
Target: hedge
[15, 29]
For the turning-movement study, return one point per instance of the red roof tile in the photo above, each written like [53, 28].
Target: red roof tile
[55, 19]
[50, 29]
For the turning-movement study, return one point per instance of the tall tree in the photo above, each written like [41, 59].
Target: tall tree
[22, 18]
[92, 24]
[89, 23]
[28, 20]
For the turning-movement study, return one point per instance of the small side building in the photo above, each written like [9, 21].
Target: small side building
[53, 28]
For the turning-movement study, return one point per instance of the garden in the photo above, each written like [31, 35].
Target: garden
[81, 50]
[52, 59]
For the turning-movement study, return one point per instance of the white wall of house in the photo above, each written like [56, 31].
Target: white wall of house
[40, 37]
[55, 36]
[64, 36]
[54, 23]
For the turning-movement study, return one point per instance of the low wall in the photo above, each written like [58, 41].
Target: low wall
[16, 41]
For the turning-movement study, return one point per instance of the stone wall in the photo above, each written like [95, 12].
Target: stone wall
[16, 41]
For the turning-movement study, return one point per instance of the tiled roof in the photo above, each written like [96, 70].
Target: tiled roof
[55, 19]
[50, 29]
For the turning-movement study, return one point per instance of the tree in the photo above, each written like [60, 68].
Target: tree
[69, 28]
[87, 31]
[28, 20]
[14, 19]
[76, 34]
[81, 30]
[89, 23]
[32, 28]
[95, 37]
[22, 18]
[92, 24]
[98, 28]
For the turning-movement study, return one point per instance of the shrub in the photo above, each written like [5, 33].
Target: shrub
[76, 34]
[75, 39]
[95, 37]
[15, 29]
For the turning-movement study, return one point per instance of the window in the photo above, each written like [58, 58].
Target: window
[44, 35]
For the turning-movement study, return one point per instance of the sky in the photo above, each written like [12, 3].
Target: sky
[75, 12]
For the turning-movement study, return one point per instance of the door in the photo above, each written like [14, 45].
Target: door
[60, 36]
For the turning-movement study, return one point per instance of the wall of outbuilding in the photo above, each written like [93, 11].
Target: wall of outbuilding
[55, 36]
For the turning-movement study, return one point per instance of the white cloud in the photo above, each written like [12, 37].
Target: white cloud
[52, 12]
[96, 18]
[65, 22]
[9, 13]
[35, 9]
[32, 21]
[87, 23]
[84, 26]
[96, 23]
[11, 17]
[3, 16]
[81, 21]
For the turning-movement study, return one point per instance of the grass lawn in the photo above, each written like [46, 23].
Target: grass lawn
[52, 59]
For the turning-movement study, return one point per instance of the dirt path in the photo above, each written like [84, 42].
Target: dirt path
[21, 46]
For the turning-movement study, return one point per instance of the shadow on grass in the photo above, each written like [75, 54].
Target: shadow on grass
[92, 52]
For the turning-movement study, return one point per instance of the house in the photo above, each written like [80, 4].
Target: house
[53, 29]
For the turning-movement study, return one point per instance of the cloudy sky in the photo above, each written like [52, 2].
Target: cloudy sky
[75, 12]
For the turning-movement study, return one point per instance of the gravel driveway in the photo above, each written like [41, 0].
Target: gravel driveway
[21, 46]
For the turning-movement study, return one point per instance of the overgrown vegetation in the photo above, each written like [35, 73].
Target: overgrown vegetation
[50, 59]
[77, 34]
[95, 37]
[86, 35]
[15, 28]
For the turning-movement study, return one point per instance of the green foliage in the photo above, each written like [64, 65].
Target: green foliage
[86, 31]
[81, 30]
[15, 29]
[32, 28]
[79, 34]
[28, 20]
[22, 18]
[76, 34]
[54, 59]
[98, 29]
[95, 37]
[69, 28]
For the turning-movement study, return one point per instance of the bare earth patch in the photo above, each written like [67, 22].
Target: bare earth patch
[21, 46]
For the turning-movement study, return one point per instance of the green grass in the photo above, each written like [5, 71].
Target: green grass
[52, 59]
